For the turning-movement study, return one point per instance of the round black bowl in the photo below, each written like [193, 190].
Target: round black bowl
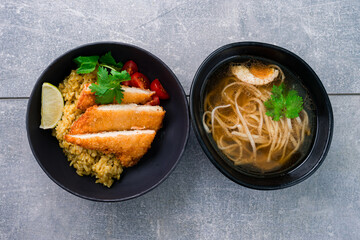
[153, 168]
[323, 113]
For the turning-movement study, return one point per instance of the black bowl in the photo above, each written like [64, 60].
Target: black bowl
[153, 168]
[323, 116]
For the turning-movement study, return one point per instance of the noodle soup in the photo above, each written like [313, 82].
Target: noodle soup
[240, 124]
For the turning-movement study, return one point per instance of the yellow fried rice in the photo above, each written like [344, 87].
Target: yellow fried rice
[105, 167]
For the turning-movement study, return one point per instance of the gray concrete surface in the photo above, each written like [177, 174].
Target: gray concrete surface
[182, 33]
[196, 201]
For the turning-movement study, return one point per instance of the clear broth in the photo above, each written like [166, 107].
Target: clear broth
[291, 82]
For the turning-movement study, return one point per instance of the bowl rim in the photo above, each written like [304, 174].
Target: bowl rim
[211, 157]
[187, 122]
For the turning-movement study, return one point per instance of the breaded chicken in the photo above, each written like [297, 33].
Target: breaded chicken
[131, 95]
[128, 146]
[86, 99]
[118, 117]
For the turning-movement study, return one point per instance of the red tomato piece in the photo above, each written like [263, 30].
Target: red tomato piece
[139, 80]
[155, 101]
[130, 67]
[159, 89]
[126, 83]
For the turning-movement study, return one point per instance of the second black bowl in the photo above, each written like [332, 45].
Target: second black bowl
[323, 113]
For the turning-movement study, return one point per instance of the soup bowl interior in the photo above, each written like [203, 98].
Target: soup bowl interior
[321, 109]
[155, 165]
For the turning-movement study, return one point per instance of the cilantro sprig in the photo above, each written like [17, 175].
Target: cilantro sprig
[108, 87]
[108, 61]
[283, 104]
[88, 64]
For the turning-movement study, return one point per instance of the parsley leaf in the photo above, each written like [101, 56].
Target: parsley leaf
[104, 79]
[282, 104]
[99, 90]
[121, 75]
[107, 60]
[86, 64]
[118, 94]
[294, 104]
[108, 97]
[108, 85]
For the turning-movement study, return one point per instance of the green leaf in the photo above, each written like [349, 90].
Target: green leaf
[108, 59]
[89, 59]
[108, 85]
[121, 76]
[103, 76]
[294, 104]
[98, 89]
[281, 104]
[86, 64]
[106, 98]
[275, 104]
[119, 94]
[86, 68]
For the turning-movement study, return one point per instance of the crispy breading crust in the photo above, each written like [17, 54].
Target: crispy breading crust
[128, 148]
[137, 97]
[87, 98]
[94, 120]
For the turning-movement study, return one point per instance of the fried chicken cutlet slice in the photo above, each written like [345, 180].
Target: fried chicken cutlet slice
[118, 117]
[128, 146]
[131, 95]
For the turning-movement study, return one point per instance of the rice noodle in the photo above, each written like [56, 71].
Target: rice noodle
[236, 117]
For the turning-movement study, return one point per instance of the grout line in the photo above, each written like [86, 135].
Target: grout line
[344, 94]
[188, 96]
[13, 98]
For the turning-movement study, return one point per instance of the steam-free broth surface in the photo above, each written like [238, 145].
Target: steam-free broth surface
[236, 120]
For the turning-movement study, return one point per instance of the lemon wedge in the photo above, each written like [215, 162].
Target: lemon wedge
[52, 104]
